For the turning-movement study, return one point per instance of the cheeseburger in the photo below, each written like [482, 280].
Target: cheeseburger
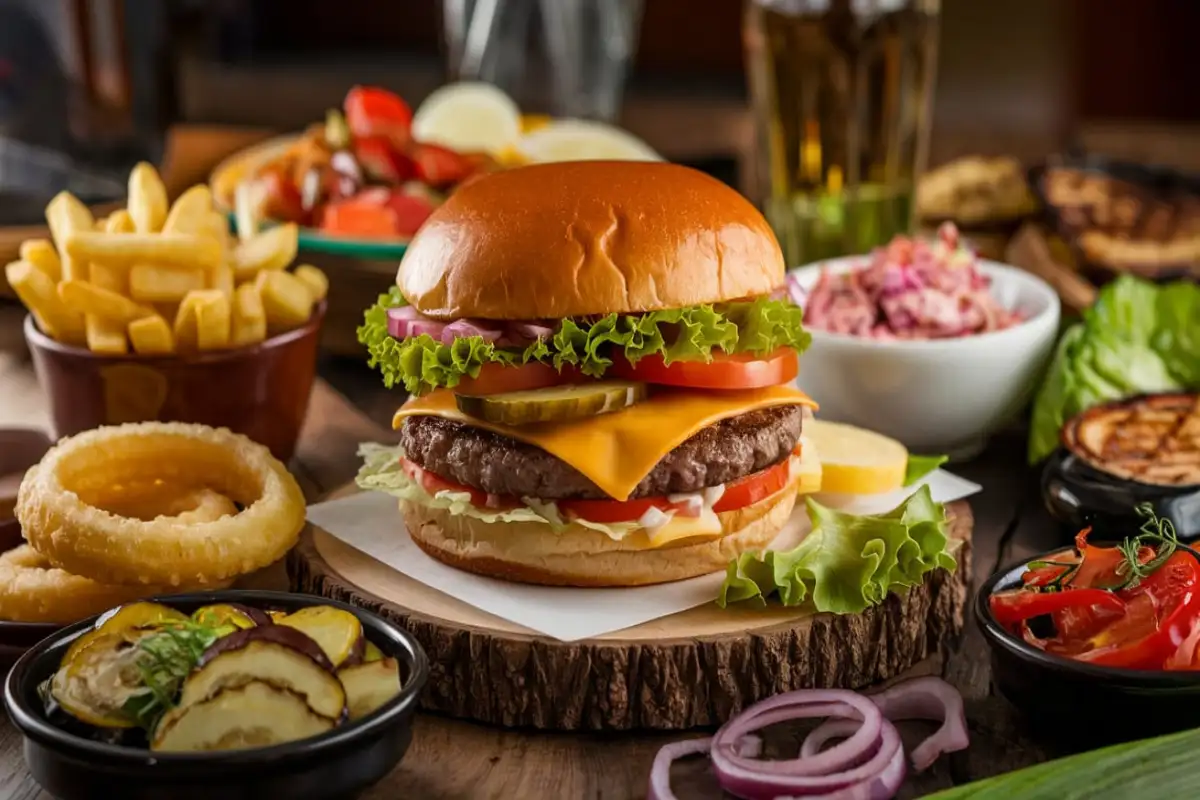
[599, 357]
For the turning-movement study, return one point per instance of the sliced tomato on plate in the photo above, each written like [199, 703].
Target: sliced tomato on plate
[439, 166]
[499, 379]
[409, 211]
[738, 494]
[724, 371]
[371, 111]
[359, 218]
[380, 161]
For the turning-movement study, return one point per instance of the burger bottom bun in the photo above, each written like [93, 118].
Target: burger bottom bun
[533, 552]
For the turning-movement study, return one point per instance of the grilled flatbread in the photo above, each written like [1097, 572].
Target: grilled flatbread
[1154, 439]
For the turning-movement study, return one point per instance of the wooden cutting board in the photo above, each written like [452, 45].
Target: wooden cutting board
[694, 668]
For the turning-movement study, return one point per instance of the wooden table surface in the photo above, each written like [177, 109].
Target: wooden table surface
[452, 759]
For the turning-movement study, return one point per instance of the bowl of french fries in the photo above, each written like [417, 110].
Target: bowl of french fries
[157, 312]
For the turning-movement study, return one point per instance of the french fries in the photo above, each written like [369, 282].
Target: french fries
[91, 300]
[157, 279]
[147, 199]
[249, 321]
[151, 283]
[273, 249]
[151, 336]
[67, 217]
[39, 294]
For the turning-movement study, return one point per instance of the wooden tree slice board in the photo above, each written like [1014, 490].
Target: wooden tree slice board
[695, 668]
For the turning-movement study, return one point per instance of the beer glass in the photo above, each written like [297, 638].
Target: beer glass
[842, 93]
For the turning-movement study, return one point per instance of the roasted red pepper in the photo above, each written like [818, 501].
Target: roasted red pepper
[1019, 605]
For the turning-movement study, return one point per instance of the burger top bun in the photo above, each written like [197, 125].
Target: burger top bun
[588, 237]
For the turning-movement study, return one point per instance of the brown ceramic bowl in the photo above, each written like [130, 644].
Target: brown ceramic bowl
[261, 391]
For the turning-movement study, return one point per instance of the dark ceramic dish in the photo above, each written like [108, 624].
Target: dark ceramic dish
[1072, 703]
[338, 764]
[1081, 496]
[261, 391]
[1153, 183]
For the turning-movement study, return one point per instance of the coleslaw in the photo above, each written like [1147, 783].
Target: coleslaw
[910, 289]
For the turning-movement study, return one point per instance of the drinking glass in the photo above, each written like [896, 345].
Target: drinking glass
[842, 92]
[567, 58]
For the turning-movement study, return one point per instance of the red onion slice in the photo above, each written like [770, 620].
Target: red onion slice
[404, 322]
[868, 765]
[465, 328]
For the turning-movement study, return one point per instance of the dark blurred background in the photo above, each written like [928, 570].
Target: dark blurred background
[106, 79]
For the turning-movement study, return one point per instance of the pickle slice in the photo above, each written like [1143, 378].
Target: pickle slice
[555, 404]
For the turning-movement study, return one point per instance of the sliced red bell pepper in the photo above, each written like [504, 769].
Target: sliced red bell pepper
[1017, 605]
[1160, 612]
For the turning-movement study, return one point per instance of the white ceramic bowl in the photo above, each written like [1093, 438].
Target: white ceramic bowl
[937, 397]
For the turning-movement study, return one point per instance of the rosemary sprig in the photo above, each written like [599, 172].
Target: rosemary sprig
[1155, 530]
[166, 659]
[1060, 581]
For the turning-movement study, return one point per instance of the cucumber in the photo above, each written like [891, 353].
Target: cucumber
[555, 404]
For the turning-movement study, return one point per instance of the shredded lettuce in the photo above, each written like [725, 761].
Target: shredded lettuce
[423, 363]
[381, 472]
[847, 562]
[1138, 338]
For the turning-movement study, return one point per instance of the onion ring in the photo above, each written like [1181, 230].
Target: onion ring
[32, 590]
[90, 541]
[867, 765]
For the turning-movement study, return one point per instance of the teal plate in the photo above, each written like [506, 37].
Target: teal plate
[314, 241]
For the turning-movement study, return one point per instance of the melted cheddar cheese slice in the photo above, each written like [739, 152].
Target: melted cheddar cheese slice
[617, 450]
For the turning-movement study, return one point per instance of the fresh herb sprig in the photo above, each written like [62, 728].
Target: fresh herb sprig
[1069, 568]
[1155, 530]
[166, 658]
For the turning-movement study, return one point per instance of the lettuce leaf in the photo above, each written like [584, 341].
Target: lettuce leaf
[1138, 338]
[920, 466]
[423, 363]
[847, 563]
[381, 472]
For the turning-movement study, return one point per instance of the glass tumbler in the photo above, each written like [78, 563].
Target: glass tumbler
[842, 93]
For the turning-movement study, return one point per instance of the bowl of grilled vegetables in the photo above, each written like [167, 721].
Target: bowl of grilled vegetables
[227, 694]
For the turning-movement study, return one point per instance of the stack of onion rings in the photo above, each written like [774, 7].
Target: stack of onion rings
[146, 508]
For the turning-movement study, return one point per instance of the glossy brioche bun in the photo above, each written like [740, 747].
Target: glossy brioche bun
[533, 552]
[589, 237]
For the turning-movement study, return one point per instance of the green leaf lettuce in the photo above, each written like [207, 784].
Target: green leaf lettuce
[848, 562]
[423, 363]
[1138, 338]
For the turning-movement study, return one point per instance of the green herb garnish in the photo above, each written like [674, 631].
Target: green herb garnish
[167, 657]
[1059, 583]
[1154, 530]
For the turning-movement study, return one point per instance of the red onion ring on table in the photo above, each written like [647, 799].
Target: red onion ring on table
[868, 765]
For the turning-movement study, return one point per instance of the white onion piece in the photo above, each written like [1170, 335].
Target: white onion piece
[713, 494]
[867, 765]
[653, 519]
[343, 163]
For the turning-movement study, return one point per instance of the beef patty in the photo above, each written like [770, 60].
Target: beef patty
[720, 453]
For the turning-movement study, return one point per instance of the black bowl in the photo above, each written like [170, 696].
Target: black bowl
[1077, 704]
[337, 764]
[1080, 496]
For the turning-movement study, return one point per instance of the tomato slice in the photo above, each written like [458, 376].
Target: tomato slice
[439, 166]
[433, 484]
[380, 162]
[725, 371]
[357, 218]
[738, 494]
[498, 378]
[371, 111]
